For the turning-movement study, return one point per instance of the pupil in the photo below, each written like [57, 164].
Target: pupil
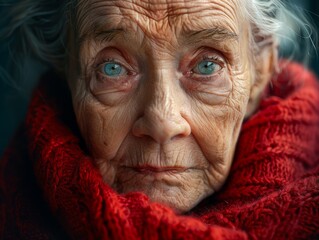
[112, 69]
[207, 67]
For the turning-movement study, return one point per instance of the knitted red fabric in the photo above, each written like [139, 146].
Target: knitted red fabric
[272, 191]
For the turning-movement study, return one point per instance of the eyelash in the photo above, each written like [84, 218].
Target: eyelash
[104, 61]
[214, 59]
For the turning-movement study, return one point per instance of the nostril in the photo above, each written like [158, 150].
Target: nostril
[161, 129]
[179, 136]
[138, 129]
[182, 129]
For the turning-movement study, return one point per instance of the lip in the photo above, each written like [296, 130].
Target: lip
[145, 169]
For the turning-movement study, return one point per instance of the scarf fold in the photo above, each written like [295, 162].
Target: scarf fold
[50, 188]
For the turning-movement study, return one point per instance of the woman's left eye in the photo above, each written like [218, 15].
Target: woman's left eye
[113, 69]
[206, 67]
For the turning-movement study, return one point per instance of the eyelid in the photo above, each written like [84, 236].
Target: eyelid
[208, 54]
[213, 57]
[107, 60]
[120, 56]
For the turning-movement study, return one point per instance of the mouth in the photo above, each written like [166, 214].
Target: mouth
[148, 169]
[145, 177]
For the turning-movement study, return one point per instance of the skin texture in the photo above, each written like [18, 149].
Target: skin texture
[161, 127]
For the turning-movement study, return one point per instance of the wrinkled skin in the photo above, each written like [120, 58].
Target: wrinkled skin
[161, 127]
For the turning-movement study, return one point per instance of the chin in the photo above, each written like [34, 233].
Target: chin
[168, 196]
[178, 203]
[175, 191]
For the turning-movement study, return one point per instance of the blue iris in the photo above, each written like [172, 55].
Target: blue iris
[206, 67]
[112, 69]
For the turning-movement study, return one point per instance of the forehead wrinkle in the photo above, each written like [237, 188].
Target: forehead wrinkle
[117, 14]
[160, 9]
[229, 9]
[157, 10]
[91, 14]
[151, 9]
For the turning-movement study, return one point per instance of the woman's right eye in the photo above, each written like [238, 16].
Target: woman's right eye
[206, 67]
[113, 69]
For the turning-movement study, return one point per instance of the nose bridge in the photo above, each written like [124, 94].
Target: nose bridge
[161, 100]
[161, 118]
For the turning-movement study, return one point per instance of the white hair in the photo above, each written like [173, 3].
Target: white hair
[286, 24]
[38, 28]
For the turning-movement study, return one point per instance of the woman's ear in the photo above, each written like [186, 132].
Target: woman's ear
[266, 65]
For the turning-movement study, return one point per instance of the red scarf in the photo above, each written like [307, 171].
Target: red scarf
[50, 189]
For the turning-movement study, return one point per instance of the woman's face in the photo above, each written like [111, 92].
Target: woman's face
[160, 89]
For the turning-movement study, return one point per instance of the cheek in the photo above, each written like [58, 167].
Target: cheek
[103, 128]
[216, 129]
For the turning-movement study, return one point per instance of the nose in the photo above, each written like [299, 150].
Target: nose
[162, 117]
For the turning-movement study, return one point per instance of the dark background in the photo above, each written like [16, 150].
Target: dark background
[14, 99]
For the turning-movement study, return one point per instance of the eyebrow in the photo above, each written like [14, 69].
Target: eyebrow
[191, 36]
[108, 35]
[216, 33]
[102, 35]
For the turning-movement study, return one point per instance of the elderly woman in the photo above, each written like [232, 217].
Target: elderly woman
[167, 119]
